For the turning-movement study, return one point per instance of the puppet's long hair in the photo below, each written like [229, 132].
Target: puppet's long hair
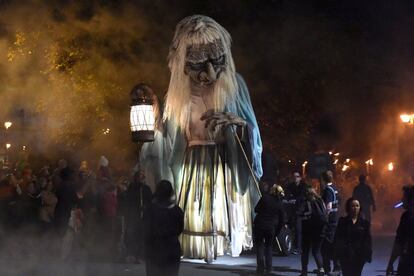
[196, 30]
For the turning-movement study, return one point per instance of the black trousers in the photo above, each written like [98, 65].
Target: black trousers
[263, 241]
[351, 267]
[298, 233]
[314, 241]
[406, 265]
[328, 256]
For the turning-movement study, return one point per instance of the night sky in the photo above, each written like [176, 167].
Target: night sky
[322, 74]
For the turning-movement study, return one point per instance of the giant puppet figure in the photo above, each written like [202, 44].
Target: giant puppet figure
[208, 144]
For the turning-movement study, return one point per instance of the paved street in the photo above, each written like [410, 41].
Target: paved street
[243, 266]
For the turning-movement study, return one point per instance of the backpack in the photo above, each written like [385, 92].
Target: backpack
[319, 212]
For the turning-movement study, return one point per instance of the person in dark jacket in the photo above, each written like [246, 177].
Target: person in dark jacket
[294, 193]
[136, 200]
[330, 197]
[313, 215]
[404, 241]
[165, 222]
[363, 193]
[66, 197]
[267, 223]
[352, 244]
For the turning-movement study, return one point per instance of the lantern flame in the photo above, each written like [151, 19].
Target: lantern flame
[390, 166]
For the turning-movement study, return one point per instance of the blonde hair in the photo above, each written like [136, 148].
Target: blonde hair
[197, 30]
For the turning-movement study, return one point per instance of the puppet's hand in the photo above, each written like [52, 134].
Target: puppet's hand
[214, 119]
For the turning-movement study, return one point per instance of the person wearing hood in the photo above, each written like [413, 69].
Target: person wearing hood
[165, 222]
[135, 202]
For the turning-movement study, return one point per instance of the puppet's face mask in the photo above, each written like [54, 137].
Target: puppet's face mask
[205, 62]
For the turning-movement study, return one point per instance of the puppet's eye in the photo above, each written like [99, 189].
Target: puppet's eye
[196, 66]
[219, 61]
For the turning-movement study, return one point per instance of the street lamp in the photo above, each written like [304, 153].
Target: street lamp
[407, 118]
[143, 113]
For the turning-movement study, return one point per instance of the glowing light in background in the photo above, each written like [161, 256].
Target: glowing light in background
[7, 125]
[345, 168]
[369, 162]
[390, 166]
[8, 146]
[398, 205]
[106, 131]
[407, 118]
[304, 167]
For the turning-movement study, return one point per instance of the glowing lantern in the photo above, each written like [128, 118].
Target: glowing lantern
[142, 114]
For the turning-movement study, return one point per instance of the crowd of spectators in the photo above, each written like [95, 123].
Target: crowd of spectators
[74, 211]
